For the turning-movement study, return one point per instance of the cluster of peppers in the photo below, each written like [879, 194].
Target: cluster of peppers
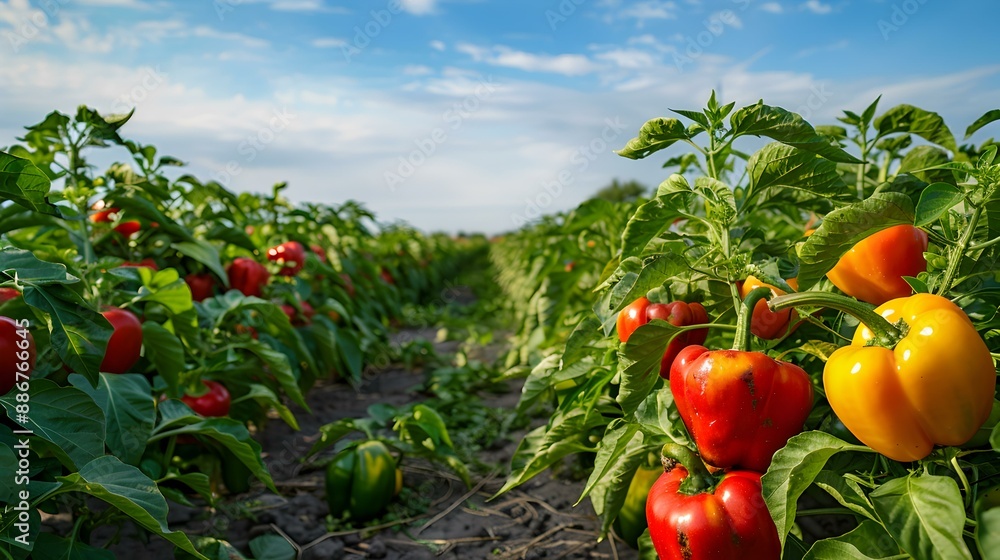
[917, 374]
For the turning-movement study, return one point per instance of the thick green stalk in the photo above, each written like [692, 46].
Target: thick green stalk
[886, 334]
[745, 318]
[698, 480]
[959, 252]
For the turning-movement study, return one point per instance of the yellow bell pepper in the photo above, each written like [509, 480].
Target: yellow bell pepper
[935, 386]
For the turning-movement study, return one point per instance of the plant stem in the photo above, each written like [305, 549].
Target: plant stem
[698, 479]
[743, 322]
[984, 244]
[964, 479]
[959, 252]
[886, 334]
[862, 165]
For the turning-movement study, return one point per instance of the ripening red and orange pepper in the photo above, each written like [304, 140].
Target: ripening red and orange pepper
[767, 324]
[873, 269]
[739, 407]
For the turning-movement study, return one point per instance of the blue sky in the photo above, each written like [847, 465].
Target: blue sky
[470, 114]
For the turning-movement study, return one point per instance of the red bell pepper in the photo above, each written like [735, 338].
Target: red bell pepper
[202, 286]
[740, 407]
[214, 402]
[290, 255]
[248, 276]
[677, 313]
[7, 294]
[694, 516]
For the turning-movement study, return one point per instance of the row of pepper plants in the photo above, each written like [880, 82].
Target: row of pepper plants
[782, 353]
[150, 322]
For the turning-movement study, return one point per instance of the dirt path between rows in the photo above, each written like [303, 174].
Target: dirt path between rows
[536, 520]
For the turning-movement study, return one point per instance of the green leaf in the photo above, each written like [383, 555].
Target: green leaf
[847, 492]
[349, 345]
[611, 490]
[547, 375]
[788, 128]
[988, 117]
[925, 515]
[425, 430]
[844, 227]
[126, 488]
[137, 206]
[129, 412]
[907, 118]
[780, 165]
[64, 416]
[205, 253]
[935, 201]
[165, 351]
[8, 464]
[617, 437]
[655, 135]
[920, 162]
[279, 367]
[639, 362]
[272, 547]
[869, 112]
[566, 433]
[793, 469]
[867, 541]
[79, 334]
[653, 217]
[988, 533]
[178, 419]
[166, 288]
[646, 550]
[29, 269]
[50, 545]
[25, 184]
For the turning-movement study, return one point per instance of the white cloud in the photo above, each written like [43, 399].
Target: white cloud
[565, 64]
[650, 9]
[772, 7]
[628, 58]
[817, 7]
[438, 45]
[328, 42]
[298, 5]
[418, 7]
[417, 70]
[134, 4]
[207, 32]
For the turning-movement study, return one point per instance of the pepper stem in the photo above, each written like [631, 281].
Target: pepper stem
[743, 322]
[886, 334]
[698, 480]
